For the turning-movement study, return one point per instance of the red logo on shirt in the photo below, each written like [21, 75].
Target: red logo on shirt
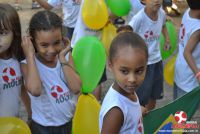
[148, 34]
[182, 31]
[56, 91]
[140, 127]
[59, 94]
[8, 74]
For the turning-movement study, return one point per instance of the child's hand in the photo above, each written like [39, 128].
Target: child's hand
[63, 53]
[167, 46]
[27, 46]
[144, 110]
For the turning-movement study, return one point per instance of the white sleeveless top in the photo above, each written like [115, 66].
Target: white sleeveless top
[184, 77]
[56, 105]
[10, 87]
[131, 110]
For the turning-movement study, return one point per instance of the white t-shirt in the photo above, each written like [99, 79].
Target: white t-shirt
[10, 87]
[70, 11]
[184, 77]
[56, 104]
[150, 31]
[82, 30]
[136, 6]
[131, 111]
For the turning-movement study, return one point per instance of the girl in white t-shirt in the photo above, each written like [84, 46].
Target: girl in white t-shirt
[187, 67]
[11, 53]
[49, 76]
[121, 112]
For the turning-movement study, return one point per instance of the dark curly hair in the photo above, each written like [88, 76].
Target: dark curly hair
[194, 4]
[43, 21]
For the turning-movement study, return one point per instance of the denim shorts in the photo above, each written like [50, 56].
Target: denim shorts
[152, 86]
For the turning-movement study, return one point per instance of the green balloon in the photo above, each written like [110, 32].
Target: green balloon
[119, 7]
[89, 59]
[172, 39]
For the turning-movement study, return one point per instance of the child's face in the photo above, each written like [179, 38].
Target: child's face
[6, 37]
[48, 45]
[129, 68]
[154, 4]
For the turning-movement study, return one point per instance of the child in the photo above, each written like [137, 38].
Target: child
[49, 78]
[120, 112]
[187, 74]
[11, 82]
[148, 23]
[136, 6]
[70, 11]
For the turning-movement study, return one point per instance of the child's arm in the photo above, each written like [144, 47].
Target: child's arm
[45, 4]
[72, 78]
[29, 71]
[26, 100]
[166, 36]
[112, 121]
[192, 43]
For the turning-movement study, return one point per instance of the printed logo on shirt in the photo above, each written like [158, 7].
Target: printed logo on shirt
[10, 79]
[150, 36]
[58, 93]
[140, 126]
[182, 35]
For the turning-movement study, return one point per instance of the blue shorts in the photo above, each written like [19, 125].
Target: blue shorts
[152, 86]
[39, 129]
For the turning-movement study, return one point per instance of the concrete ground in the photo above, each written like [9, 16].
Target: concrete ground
[27, 12]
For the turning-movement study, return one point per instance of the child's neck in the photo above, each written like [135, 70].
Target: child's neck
[131, 96]
[194, 14]
[5, 55]
[153, 15]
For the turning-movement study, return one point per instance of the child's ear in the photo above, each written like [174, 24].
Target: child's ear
[109, 63]
[66, 41]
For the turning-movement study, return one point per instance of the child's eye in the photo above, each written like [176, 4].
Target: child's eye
[57, 43]
[4, 32]
[140, 71]
[124, 71]
[44, 45]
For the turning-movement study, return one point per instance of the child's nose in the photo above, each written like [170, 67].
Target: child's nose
[51, 49]
[132, 78]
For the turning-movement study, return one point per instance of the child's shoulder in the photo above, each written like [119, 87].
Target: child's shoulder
[10, 60]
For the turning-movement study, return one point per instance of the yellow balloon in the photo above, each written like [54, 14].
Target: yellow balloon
[169, 71]
[94, 14]
[86, 118]
[108, 34]
[13, 125]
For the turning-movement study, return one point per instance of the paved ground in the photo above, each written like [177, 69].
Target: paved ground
[27, 12]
